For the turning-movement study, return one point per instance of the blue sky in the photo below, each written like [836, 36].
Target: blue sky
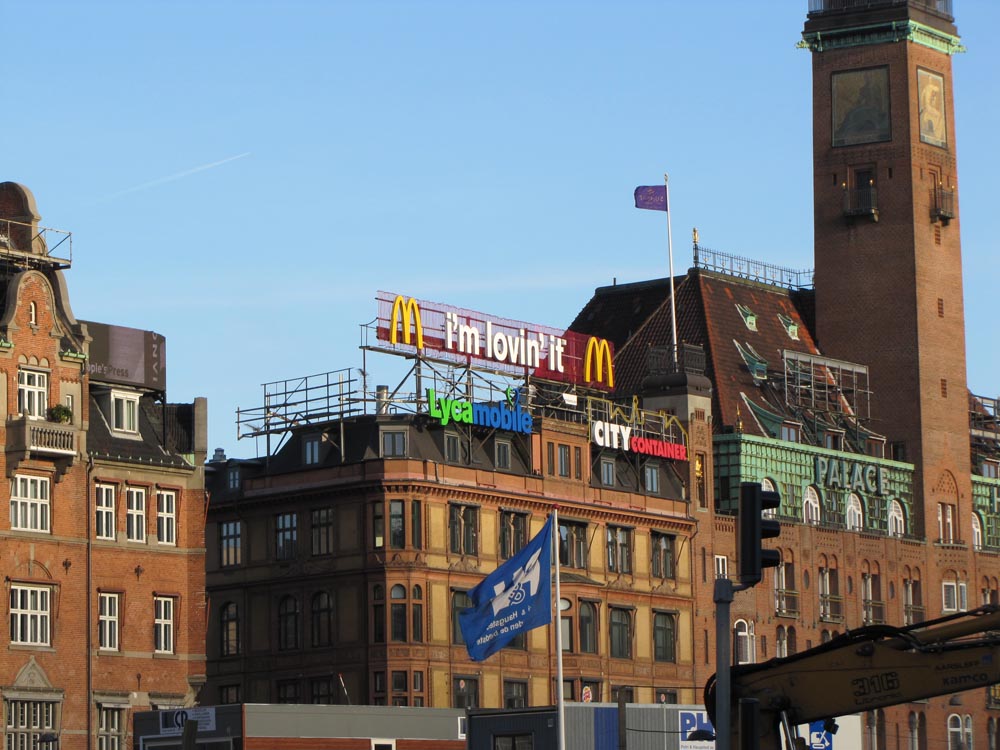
[242, 177]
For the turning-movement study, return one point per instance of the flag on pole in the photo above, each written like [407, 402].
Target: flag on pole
[653, 197]
[512, 600]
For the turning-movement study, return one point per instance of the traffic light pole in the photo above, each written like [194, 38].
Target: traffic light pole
[723, 597]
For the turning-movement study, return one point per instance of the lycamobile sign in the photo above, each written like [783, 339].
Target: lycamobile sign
[498, 415]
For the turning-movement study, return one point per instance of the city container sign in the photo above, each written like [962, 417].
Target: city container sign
[464, 336]
[636, 430]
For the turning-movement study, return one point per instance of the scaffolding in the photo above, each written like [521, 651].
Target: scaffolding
[827, 386]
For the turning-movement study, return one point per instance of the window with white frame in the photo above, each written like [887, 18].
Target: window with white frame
[954, 596]
[897, 521]
[721, 566]
[125, 411]
[651, 478]
[105, 505]
[810, 506]
[32, 393]
[310, 450]
[29, 614]
[608, 472]
[135, 517]
[502, 450]
[109, 728]
[955, 732]
[163, 624]
[977, 532]
[107, 621]
[166, 517]
[29, 503]
[619, 541]
[744, 637]
[854, 518]
[946, 523]
[27, 721]
[234, 478]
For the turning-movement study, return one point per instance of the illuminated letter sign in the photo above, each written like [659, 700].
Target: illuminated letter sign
[602, 350]
[406, 313]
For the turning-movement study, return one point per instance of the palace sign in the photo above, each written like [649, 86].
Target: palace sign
[464, 336]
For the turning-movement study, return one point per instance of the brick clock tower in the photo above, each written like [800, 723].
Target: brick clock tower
[888, 257]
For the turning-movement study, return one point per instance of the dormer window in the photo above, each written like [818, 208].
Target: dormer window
[125, 411]
[311, 450]
[755, 363]
[791, 432]
[748, 315]
[790, 326]
[991, 469]
[834, 440]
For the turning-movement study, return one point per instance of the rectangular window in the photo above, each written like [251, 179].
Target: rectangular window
[502, 449]
[564, 466]
[124, 412]
[452, 449]
[663, 555]
[288, 691]
[566, 623]
[29, 503]
[460, 600]
[285, 535]
[109, 728]
[621, 632]
[105, 501]
[550, 450]
[397, 525]
[651, 478]
[664, 637]
[946, 523]
[394, 444]
[166, 518]
[577, 462]
[321, 524]
[790, 432]
[619, 549]
[229, 695]
[32, 393]
[107, 622]
[135, 519]
[321, 691]
[163, 624]
[515, 694]
[416, 525]
[310, 450]
[608, 472]
[230, 543]
[465, 692]
[234, 479]
[378, 526]
[513, 532]
[26, 721]
[463, 529]
[721, 566]
[573, 544]
[29, 614]
[699, 478]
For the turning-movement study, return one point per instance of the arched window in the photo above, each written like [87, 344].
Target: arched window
[954, 732]
[969, 745]
[810, 506]
[229, 621]
[768, 485]
[397, 613]
[664, 637]
[781, 643]
[897, 521]
[790, 637]
[288, 623]
[588, 628]
[855, 517]
[744, 637]
[977, 532]
[322, 619]
[33, 313]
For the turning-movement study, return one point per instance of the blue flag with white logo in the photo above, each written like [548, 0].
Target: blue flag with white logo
[512, 600]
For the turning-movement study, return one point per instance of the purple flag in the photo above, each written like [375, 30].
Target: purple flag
[653, 197]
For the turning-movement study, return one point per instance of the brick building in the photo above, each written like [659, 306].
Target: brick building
[846, 392]
[347, 550]
[103, 545]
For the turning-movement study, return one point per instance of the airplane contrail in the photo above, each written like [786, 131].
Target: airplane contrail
[173, 177]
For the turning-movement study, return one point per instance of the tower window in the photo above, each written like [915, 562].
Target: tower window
[940, 307]
[944, 388]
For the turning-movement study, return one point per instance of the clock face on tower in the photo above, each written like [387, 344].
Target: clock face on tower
[930, 95]
[861, 106]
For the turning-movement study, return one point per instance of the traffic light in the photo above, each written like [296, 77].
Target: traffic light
[752, 529]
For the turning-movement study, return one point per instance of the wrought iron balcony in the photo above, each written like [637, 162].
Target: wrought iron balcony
[942, 204]
[861, 201]
[37, 436]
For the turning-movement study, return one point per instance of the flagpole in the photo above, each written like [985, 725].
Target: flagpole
[670, 252]
[560, 698]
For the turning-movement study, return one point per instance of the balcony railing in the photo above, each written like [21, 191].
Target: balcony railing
[36, 436]
[862, 201]
[831, 608]
[786, 602]
[873, 611]
[942, 204]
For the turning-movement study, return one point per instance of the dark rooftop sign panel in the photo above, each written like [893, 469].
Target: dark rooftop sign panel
[127, 356]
